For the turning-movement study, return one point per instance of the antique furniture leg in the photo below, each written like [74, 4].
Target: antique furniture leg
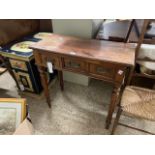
[131, 71]
[44, 82]
[116, 120]
[112, 105]
[117, 94]
[141, 38]
[60, 75]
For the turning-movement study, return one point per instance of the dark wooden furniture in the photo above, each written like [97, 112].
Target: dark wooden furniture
[13, 29]
[145, 30]
[146, 36]
[108, 61]
[46, 25]
[136, 101]
[21, 66]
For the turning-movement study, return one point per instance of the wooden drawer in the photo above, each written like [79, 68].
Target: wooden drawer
[17, 64]
[74, 64]
[105, 69]
[52, 58]
[24, 80]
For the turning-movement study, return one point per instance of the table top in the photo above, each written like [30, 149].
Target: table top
[122, 53]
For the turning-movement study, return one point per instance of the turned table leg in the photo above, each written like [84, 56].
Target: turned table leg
[60, 75]
[116, 120]
[112, 105]
[44, 82]
[130, 76]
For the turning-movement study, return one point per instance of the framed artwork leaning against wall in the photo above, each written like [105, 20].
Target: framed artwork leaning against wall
[12, 113]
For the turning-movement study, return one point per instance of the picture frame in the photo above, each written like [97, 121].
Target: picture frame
[14, 108]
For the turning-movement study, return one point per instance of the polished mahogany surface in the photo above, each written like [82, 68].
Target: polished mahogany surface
[122, 53]
[109, 61]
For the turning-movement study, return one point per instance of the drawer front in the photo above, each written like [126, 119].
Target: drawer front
[24, 80]
[74, 64]
[53, 59]
[105, 69]
[18, 64]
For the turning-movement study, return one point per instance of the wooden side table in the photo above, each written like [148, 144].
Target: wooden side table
[103, 60]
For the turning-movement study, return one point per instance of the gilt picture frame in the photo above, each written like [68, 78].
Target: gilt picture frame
[12, 112]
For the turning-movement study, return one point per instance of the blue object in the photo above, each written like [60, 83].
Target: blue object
[7, 48]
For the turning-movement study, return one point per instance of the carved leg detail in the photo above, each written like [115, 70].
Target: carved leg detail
[112, 106]
[44, 82]
[131, 72]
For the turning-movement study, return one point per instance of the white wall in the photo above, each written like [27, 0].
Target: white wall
[84, 28]
[73, 27]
